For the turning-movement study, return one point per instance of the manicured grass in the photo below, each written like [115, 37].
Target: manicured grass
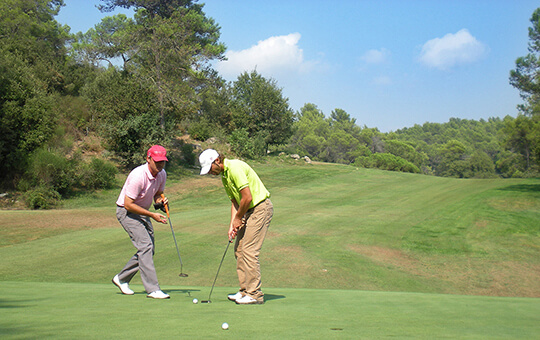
[334, 226]
[350, 253]
[98, 311]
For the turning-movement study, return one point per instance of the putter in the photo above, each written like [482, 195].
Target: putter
[182, 274]
[209, 295]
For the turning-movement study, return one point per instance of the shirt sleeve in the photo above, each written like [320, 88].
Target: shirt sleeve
[133, 187]
[239, 178]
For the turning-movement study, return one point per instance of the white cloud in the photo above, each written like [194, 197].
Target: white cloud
[275, 54]
[452, 50]
[376, 56]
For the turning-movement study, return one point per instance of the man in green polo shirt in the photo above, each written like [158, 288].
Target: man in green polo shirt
[251, 213]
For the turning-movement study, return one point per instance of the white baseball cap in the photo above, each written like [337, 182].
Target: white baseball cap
[206, 158]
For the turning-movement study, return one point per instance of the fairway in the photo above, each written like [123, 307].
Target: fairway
[97, 311]
[350, 253]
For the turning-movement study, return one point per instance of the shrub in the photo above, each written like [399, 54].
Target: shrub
[386, 161]
[201, 130]
[188, 156]
[98, 174]
[50, 170]
[245, 146]
[41, 197]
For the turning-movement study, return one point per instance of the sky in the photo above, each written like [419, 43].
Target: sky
[390, 64]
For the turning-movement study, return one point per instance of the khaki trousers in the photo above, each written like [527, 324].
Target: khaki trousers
[247, 248]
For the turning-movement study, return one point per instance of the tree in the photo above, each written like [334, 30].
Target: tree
[405, 151]
[169, 46]
[31, 57]
[340, 147]
[526, 78]
[521, 137]
[214, 116]
[480, 165]
[124, 114]
[108, 40]
[258, 105]
[453, 160]
[310, 131]
[340, 119]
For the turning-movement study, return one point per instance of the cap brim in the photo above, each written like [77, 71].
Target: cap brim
[159, 159]
[205, 169]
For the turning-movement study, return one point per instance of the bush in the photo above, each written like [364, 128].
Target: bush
[51, 170]
[41, 197]
[201, 130]
[386, 161]
[188, 156]
[98, 174]
[245, 146]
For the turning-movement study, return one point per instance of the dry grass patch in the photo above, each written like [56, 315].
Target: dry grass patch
[190, 184]
[514, 204]
[23, 226]
[468, 276]
[389, 257]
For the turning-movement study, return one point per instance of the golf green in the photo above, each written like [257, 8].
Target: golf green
[98, 311]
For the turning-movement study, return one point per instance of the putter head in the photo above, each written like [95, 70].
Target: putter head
[183, 275]
[206, 301]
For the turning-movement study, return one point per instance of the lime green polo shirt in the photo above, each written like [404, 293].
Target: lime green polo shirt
[236, 176]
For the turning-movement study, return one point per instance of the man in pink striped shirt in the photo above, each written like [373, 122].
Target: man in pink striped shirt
[144, 185]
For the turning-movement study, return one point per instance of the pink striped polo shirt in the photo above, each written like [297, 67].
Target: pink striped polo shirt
[141, 186]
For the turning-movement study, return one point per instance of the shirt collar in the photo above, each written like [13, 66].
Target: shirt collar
[225, 168]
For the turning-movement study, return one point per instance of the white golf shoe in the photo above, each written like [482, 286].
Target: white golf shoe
[248, 300]
[158, 294]
[234, 297]
[124, 287]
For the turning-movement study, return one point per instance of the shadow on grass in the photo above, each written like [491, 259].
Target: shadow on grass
[270, 297]
[184, 291]
[13, 303]
[531, 188]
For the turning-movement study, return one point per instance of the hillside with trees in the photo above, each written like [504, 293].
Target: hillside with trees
[76, 108]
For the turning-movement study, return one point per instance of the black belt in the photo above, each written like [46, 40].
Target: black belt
[256, 205]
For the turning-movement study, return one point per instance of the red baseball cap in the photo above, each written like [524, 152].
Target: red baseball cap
[157, 153]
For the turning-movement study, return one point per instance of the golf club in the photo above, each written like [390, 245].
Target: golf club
[209, 295]
[174, 237]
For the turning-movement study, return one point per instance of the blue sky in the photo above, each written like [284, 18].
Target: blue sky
[390, 64]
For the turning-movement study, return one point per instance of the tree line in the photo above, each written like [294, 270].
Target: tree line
[128, 83]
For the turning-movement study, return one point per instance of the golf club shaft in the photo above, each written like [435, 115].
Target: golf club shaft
[174, 236]
[211, 290]
[176, 244]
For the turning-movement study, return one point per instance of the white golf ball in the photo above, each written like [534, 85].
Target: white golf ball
[225, 325]
[195, 301]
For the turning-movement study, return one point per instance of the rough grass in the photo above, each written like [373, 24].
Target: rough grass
[335, 226]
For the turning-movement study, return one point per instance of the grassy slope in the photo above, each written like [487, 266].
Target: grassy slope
[334, 227]
[341, 230]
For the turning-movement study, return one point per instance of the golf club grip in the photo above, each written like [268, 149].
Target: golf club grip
[166, 205]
